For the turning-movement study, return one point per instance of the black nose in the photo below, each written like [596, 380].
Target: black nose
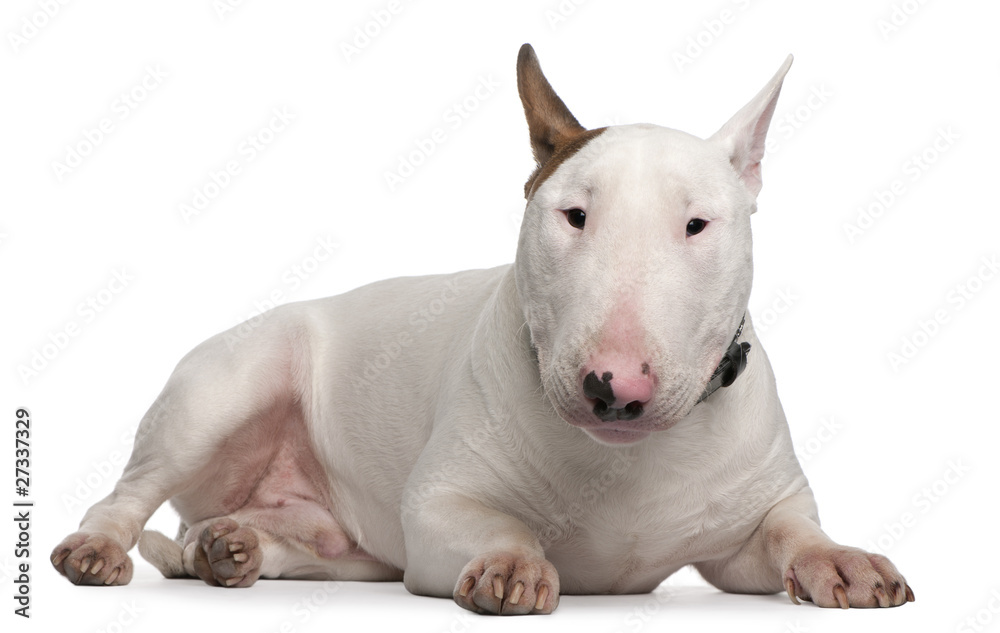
[600, 389]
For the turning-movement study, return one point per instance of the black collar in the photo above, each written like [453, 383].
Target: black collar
[732, 365]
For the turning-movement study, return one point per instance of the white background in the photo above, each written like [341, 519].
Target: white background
[899, 455]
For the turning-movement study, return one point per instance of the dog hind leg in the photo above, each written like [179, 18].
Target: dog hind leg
[213, 393]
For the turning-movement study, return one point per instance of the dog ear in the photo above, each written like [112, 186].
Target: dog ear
[743, 135]
[550, 123]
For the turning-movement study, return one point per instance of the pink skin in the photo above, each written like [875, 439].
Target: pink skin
[621, 353]
[632, 380]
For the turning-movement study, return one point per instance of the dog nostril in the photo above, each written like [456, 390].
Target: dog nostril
[601, 410]
[602, 391]
[631, 411]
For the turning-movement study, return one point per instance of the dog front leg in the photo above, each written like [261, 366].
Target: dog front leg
[790, 552]
[488, 561]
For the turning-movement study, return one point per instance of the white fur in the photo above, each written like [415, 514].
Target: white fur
[464, 450]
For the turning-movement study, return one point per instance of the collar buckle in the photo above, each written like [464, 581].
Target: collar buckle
[734, 361]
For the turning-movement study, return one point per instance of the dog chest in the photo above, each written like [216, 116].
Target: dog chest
[632, 525]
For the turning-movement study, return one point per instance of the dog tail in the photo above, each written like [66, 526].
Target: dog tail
[165, 554]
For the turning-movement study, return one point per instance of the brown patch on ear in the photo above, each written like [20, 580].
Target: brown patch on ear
[554, 131]
[562, 152]
[550, 123]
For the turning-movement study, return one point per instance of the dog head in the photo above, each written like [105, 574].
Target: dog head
[634, 261]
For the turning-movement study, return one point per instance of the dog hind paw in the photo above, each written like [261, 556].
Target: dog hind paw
[92, 559]
[228, 555]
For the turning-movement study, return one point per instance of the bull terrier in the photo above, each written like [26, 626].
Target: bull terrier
[586, 420]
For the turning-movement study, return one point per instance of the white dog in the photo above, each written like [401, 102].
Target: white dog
[503, 436]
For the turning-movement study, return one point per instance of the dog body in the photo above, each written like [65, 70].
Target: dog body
[503, 436]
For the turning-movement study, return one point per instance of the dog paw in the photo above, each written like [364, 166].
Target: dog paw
[845, 577]
[228, 555]
[501, 583]
[92, 559]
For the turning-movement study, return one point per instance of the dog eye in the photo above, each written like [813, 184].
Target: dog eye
[696, 226]
[576, 217]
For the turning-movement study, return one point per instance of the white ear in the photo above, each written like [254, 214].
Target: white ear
[743, 135]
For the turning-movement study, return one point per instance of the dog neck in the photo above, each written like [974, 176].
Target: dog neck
[733, 362]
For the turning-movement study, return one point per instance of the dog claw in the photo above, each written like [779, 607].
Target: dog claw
[466, 586]
[503, 583]
[60, 557]
[909, 594]
[111, 577]
[790, 588]
[98, 566]
[894, 589]
[84, 566]
[882, 597]
[232, 581]
[516, 592]
[841, 596]
[543, 593]
[240, 558]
